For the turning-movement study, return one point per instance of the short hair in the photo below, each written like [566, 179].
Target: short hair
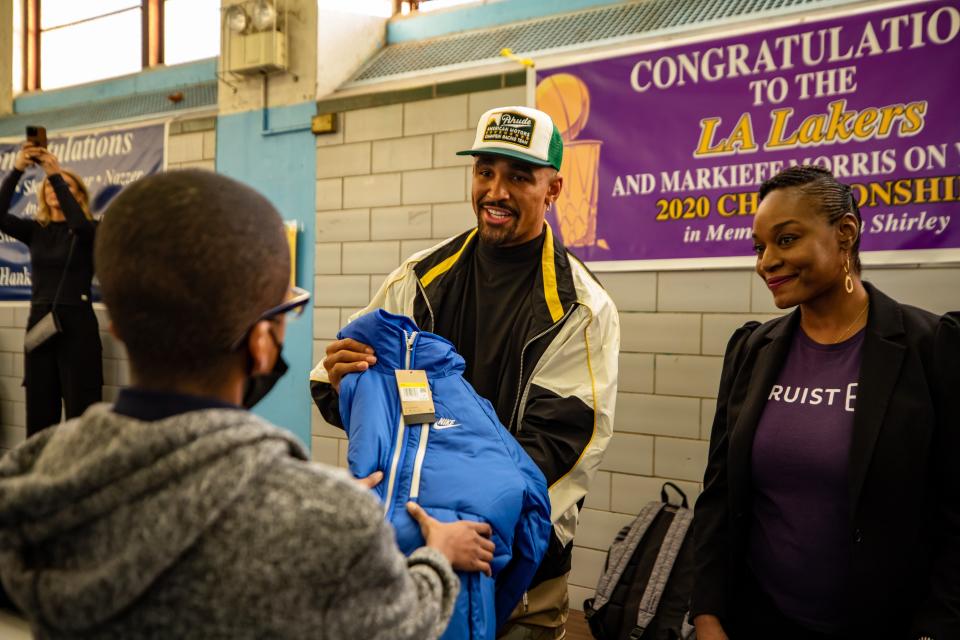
[187, 262]
[835, 199]
[43, 211]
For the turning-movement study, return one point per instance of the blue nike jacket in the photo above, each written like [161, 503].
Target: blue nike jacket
[464, 465]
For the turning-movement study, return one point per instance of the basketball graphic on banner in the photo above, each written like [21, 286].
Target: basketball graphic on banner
[566, 98]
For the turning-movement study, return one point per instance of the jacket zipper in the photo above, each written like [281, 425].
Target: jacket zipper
[418, 463]
[423, 292]
[516, 403]
[401, 431]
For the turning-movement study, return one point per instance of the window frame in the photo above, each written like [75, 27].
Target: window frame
[151, 42]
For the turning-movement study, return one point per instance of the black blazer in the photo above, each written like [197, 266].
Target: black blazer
[904, 474]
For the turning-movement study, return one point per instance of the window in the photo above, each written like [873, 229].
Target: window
[422, 6]
[191, 30]
[17, 46]
[85, 41]
[58, 43]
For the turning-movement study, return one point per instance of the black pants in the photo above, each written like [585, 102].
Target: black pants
[65, 373]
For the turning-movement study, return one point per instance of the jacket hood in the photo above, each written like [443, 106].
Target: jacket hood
[388, 334]
[94, 511]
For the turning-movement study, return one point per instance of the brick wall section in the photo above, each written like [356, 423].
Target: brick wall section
[388, 183]
[191, 143]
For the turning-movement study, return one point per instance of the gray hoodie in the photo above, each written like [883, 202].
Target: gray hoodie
[208, 524]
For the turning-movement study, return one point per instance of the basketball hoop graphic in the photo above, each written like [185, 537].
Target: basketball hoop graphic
[566, 98]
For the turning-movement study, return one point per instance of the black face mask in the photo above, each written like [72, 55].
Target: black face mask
[258, 386]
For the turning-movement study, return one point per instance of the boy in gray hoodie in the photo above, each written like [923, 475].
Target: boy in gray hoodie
[176, 513]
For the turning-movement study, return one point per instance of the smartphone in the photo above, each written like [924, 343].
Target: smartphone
[37, 136]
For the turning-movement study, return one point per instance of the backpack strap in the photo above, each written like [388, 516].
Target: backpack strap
[620, 553]
[667, 556]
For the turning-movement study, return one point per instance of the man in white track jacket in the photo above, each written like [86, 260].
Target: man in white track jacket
[539, 334]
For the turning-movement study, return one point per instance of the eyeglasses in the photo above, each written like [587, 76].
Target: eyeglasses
[293, 306]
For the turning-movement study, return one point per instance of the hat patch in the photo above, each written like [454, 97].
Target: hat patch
[513, 128]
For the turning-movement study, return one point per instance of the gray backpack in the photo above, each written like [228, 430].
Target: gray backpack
[644, 591]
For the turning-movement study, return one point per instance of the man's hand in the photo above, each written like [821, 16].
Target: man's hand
[466, 544]
[347, 356]
[709, 628]
[371, 480]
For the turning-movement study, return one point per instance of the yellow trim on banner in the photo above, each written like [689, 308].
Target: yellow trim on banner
[550, 278]
[444, 266]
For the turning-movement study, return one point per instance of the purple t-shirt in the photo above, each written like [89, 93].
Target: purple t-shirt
[799, 545]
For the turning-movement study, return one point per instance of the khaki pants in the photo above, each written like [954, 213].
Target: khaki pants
[543, 616]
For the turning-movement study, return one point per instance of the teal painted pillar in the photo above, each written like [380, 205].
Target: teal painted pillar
[280, 162]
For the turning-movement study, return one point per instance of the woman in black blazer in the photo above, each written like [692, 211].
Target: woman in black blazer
[831, 501]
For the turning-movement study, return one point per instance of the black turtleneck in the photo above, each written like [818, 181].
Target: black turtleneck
[489, 327]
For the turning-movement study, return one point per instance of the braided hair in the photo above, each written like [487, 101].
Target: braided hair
[835, 199]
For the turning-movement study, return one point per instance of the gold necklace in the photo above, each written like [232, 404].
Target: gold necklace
[847, 330]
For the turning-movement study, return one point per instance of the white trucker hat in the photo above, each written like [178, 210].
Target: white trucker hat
[518, 132]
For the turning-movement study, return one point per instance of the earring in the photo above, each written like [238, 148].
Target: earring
[847, 281]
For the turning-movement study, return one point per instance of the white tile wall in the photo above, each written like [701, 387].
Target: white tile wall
[688, 375]
[631, 291]
[433, 116]
[937, 290]
[629, 453]
[343, 225]
[658, 415]
[597, 529]
[635, 373]
[329, 194]
[364, 257]
[434, 185]
[632, 492]
[379, 190]
[343, 160]
[446, 146]
[373, 124]
[401, 154]
[452, 219]
[485, 100]
[326, 323]
[660, 332]
[327, 257]
[701, 291]
[401, 223]
[599, 495]
[718, 327]
[325, 450]
[680, 459]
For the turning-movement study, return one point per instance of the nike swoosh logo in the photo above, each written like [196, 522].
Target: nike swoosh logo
[445, 423]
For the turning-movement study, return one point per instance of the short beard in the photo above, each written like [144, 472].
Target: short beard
[496, 236]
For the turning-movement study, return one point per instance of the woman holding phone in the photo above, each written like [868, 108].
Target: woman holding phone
[65, 372]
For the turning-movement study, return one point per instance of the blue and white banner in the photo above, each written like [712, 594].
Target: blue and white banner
[106, 160]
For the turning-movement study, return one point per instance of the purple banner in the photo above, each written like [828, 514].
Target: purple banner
[665, 149]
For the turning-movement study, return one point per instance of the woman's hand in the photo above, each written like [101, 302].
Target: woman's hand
[466, 544]
[46, 160]
[26, 156]
[709, 628]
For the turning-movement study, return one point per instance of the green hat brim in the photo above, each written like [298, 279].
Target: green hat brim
[508, 153]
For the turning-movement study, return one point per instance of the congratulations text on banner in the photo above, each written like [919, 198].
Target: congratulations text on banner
[665, 149]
